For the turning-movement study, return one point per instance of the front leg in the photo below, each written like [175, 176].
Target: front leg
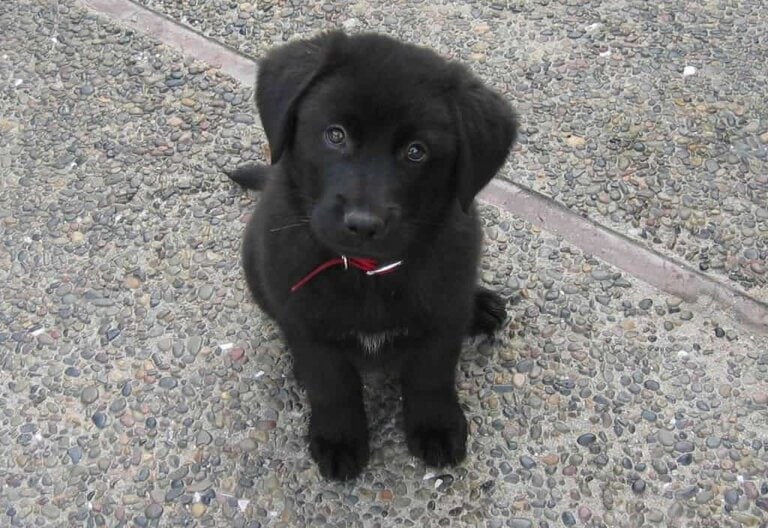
[338, 430]
[435, 426]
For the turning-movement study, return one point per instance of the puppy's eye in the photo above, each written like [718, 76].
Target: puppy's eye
[416, 152]
[335, 135]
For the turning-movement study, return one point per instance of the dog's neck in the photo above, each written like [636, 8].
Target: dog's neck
[369, 266]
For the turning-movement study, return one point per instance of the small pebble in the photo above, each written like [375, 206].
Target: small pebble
[168, 383]
[638, 486]
[204, 438]
[519, 522]
[550, 459]
[99, 419]
[75, 454]
[117, 405]
[684, 446]
[243, 118]
[750, 490]
[704, 497]
[51, 511]
[666, 438]
[198, 510]
[173, 494]
[686, 492]
[153, 511]
[89, 395]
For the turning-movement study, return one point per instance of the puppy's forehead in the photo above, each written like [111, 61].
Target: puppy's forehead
[342, 95]
[388, 81]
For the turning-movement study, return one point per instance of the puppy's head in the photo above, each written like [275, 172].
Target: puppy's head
[381, 139]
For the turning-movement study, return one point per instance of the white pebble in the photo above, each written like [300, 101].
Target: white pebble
[688, 71]
[350, 23]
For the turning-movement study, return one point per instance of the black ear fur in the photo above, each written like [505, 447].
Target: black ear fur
[487, 129]
[284, 76]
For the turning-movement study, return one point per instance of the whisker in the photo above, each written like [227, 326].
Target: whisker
[297, 224]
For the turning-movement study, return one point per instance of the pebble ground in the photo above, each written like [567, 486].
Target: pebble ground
[140, 387]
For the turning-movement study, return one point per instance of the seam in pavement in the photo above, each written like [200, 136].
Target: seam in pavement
[647, 264]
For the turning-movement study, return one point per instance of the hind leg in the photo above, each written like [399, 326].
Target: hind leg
[489, 312]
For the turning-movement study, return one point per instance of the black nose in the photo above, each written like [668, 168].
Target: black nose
[364, 224]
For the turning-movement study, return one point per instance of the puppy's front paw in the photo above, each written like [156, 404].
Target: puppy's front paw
[438, 436]
[489, 312]
[338, 441]
[342, 459]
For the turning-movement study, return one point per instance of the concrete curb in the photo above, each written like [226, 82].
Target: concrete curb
[646, 264]
[656, 269]
[189, 42]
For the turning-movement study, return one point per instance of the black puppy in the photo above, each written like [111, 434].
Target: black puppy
[366, 242]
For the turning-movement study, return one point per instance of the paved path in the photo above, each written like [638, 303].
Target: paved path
[139, 387]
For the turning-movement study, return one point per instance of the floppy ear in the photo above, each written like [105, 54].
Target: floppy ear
[487, 128]
[284, 76]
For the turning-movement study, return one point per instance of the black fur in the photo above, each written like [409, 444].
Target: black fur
[372, 194]
[252, 176]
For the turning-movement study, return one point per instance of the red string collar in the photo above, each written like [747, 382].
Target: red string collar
[369, 266]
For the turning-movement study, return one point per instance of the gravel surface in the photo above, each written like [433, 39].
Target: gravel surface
[140, 387]
[649, 117]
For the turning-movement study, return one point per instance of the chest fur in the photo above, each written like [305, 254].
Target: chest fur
[372, 343]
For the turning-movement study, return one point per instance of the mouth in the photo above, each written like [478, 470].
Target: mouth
[366, 250]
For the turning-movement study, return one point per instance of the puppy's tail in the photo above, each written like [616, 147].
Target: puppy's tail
[253, 176]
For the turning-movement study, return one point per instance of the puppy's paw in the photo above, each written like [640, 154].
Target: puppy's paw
[489, 312]
[342, 459]
[338, 441]
[439, 438]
